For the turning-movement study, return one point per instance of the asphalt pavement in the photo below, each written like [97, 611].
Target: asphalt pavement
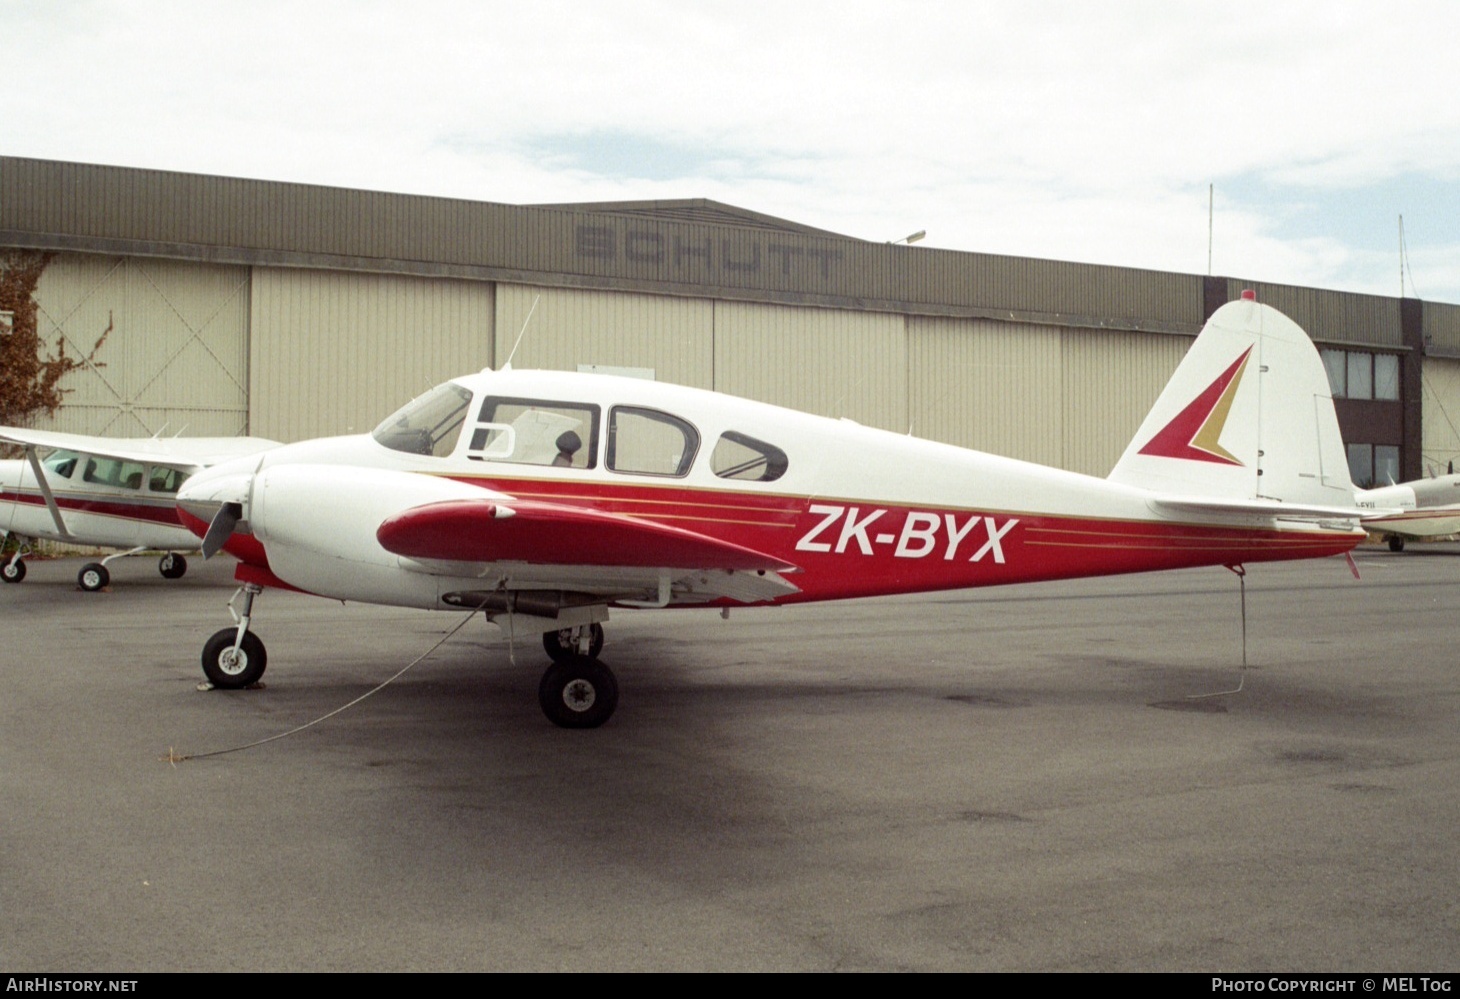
[1045, 777]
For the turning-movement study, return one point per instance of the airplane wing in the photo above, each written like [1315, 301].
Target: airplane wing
[187, 453]
[551, 541]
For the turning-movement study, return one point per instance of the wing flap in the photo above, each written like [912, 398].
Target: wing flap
[541, 533]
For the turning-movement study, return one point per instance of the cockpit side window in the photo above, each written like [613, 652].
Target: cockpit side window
[60, 464]
[648, 442]
[536, 432]
[429, 424]
[165, 480]
[740, 456]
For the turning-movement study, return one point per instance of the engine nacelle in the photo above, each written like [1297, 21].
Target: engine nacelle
[317, 525]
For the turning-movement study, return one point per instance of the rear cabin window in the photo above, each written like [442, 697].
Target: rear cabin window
[740, 456]
[648, 442]
[536, 432]
[429, 424]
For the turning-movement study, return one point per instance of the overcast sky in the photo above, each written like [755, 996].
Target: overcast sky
[1073, 131]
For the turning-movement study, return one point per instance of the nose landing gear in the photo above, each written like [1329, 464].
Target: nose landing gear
[235, 657]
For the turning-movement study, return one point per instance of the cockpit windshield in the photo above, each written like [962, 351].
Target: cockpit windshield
[60, 463]
[428, 424]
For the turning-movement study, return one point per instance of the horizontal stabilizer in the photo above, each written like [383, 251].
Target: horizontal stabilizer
[553, 534]
[1258, 508]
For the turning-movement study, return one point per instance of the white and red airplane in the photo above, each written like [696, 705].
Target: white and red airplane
[1423, 508]
[104, 492]
[543, 498]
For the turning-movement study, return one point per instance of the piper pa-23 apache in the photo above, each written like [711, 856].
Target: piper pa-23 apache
[105, 492]
[544, 498]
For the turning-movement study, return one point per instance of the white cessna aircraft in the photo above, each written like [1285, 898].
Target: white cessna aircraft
[1423, 508]
[104, 491]
[543, 498]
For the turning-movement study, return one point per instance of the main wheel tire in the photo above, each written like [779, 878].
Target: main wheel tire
[172, 566]
[12, 572]
[231, 672]
[1396, 543]
[578, 692]
[92, 577]
[560, 646]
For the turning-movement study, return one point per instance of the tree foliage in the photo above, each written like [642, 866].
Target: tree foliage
[30, 374]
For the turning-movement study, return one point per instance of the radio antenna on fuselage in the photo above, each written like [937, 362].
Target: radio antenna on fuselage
[521, 333]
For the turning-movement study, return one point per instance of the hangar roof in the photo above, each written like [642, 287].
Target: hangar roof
[691, 247]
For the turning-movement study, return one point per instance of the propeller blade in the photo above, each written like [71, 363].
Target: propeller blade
[221, 528]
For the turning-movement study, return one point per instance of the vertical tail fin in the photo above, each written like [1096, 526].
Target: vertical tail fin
[1248, 415]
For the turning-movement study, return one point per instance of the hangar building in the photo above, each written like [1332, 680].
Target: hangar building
[293, 311]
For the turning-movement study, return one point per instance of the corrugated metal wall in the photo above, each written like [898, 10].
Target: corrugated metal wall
[1072, 398]
[1339, 316]
[1111, 382]
[263, 222]
[175, 357]
[1442, 326]
[987, 385]
[1441, 413]
[336, 352]
[825, 361]
[673, 336]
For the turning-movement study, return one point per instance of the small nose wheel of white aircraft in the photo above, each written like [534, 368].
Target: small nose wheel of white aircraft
[565, 644]
[1396, 543]
[578, 692]
[172, 566]
[13, 571]
[93, 577]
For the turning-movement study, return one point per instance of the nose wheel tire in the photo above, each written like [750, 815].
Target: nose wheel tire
[1396, 543]
[12, 572]
[578, 692]
[560, 647]
[172, 566]
[92, 577]
[233, 670]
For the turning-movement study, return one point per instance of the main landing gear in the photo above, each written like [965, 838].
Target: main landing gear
[95, 576]
[13, 571]
[577, 691]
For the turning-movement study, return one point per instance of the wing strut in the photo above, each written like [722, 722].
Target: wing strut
[40, 477]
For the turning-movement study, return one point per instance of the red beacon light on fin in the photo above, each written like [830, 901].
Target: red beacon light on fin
[1248, 295]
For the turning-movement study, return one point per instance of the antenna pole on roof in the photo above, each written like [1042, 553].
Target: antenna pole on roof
[521, 332]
